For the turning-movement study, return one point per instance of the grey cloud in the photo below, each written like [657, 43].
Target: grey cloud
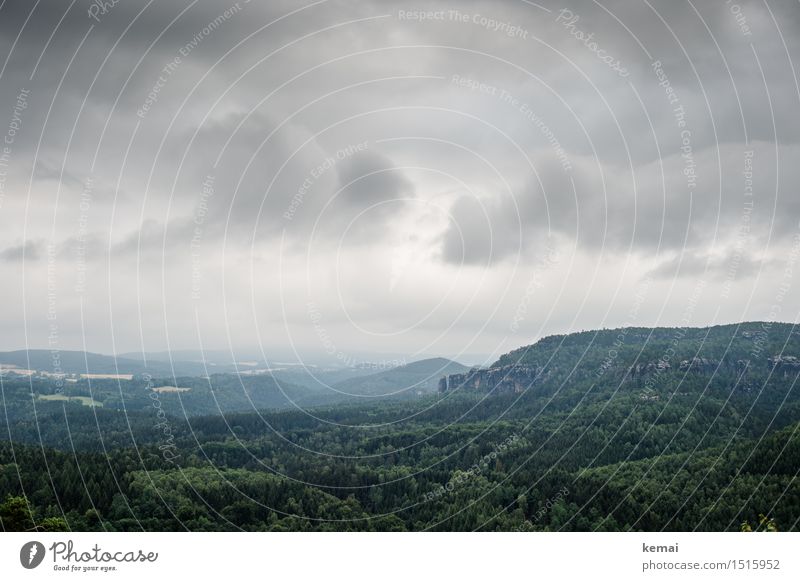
[371, 192]
[433, 146]
[733, 264]
[30, 250]
[481, 232]
[656, 213]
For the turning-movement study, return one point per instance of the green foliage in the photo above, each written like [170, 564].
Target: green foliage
[765, 524]
[592, 446]
[15, 515]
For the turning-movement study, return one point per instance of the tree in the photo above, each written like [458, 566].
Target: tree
[53, 524]
[765, 525]
[15, 514]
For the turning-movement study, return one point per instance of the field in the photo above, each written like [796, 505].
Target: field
[87, 401]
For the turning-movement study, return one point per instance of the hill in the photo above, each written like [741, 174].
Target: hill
[627, 429]
[78, 362]
[654, 363]
[407, 381]
[628, 346]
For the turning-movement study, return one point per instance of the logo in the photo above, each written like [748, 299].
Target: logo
[31, 554]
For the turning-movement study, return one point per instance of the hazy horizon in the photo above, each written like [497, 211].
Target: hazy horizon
[356, 358]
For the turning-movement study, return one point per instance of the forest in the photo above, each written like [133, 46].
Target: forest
[626, 429]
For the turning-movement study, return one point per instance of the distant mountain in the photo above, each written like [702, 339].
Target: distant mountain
[406, 381]
[319, 378]
[196, 356]
[316, 376]
[45, 360]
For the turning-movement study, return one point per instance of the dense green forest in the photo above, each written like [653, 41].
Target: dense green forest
[627, 429]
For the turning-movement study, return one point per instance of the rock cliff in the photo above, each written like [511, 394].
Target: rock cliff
[506, 379]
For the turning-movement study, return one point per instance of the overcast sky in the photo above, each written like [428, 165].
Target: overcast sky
[345, 178]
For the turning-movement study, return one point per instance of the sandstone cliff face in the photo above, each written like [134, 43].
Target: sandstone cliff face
[786, 364]
[518, 378]
[507, 379]
[641, 369]
[698, 364]
[787, 361]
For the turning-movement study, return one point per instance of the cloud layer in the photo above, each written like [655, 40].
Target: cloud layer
[192, 173]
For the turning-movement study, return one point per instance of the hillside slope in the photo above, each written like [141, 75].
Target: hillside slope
[412, 380]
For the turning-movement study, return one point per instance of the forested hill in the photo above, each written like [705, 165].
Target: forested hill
[84, 362]
[412, 380]
[631, 429]
[621, 349]
[654, 363]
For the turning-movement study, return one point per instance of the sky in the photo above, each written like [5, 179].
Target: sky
[351, 181]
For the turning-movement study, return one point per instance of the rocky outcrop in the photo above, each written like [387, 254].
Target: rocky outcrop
[698, 364]
[507, 379]
[641, 369]
[786, 364]
[785, 361]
